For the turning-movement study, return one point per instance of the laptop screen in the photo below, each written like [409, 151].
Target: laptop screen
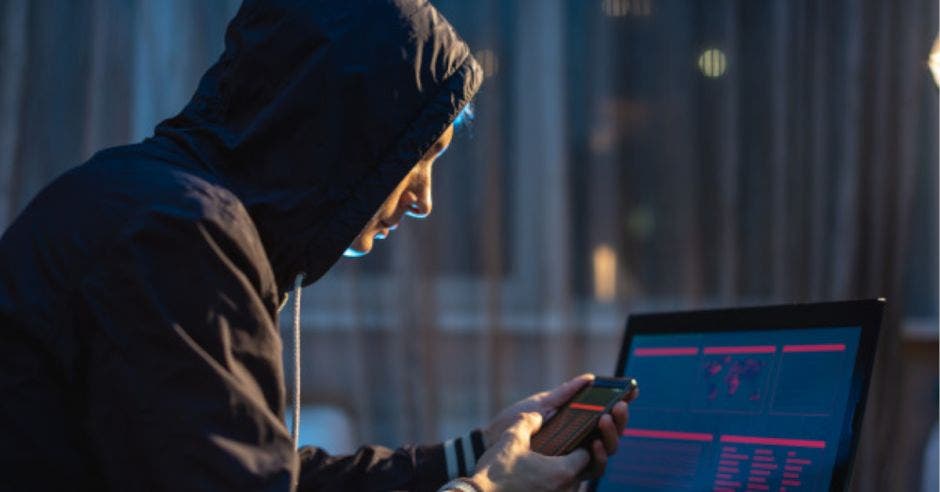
[737, 410]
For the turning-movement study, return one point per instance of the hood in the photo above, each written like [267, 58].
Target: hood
[316, 110]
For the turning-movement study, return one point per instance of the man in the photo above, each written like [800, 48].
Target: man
[139, 291]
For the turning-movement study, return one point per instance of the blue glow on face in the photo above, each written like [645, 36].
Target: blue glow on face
[353, 253]
[414, 214]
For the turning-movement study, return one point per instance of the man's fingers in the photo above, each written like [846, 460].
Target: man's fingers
[563, 393]
[621, 414]
[600, 458]
[609, 434]
[635, 392]
[574, 462]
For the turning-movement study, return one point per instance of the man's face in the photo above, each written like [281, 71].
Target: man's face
[411, 197]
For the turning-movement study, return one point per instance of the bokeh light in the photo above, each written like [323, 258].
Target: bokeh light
[713, 63]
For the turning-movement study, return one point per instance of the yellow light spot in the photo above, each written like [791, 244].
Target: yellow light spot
[934, 61]
[713, 63]
[489, 61]
[605, 273]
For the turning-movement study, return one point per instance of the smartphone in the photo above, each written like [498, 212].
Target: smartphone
[576, 420]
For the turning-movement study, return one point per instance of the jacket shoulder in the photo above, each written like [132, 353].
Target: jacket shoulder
[195, 207]
[68, 229]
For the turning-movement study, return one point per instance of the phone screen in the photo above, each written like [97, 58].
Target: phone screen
[575, 421]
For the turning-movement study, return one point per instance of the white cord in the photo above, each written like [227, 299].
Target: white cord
[295, 427]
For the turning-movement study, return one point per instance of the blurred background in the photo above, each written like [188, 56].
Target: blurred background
[626, 156]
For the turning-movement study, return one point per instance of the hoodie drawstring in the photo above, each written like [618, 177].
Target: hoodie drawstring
[295, 427]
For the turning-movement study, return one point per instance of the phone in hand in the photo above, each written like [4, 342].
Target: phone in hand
[575, 422]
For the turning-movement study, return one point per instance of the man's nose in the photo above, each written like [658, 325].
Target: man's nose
[420, 207]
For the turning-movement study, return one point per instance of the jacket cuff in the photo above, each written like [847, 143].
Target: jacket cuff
[431, 468]
[462, 453]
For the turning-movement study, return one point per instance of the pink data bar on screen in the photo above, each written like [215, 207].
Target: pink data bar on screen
[664, 351]
[661, 434]
[774, 441]
[795, 461]
[740, 349]
[815, 347]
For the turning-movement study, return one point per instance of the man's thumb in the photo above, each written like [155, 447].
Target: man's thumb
[528, 424]
[558, 396]
[575, 461]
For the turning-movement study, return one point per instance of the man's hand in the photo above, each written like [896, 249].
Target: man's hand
[546, 405]
[510, 465]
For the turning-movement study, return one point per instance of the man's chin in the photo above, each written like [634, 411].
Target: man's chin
[354, 252]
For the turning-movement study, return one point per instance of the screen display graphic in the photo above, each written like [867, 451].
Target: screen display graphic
[735, 411]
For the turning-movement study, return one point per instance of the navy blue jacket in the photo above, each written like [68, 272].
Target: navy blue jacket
[139, 347]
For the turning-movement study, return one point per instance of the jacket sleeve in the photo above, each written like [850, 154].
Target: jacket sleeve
[374, 468]
[183, 380]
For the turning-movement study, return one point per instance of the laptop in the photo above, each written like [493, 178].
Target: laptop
[750, 399]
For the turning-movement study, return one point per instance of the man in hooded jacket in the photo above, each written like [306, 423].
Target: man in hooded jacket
[139, 292]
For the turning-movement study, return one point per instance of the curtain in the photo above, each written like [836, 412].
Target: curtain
[80, 76]
[627, 155]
